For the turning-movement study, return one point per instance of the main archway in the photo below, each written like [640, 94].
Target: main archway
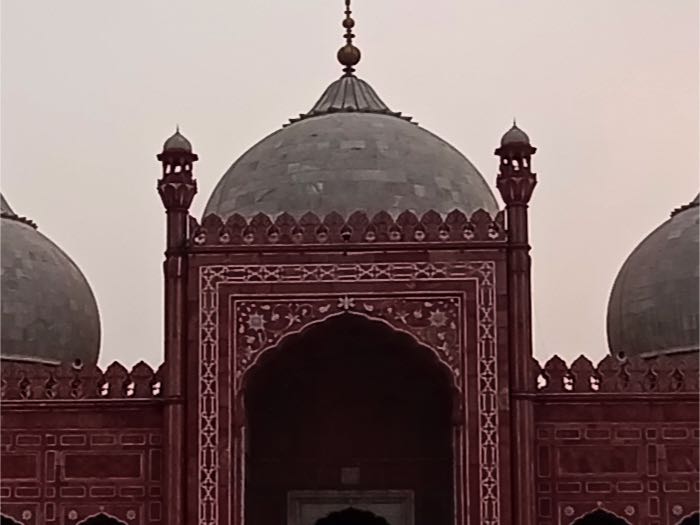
[349, 405]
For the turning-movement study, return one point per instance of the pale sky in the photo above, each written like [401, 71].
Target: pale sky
[606, 89]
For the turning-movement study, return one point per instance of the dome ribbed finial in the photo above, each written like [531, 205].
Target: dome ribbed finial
[348, 55]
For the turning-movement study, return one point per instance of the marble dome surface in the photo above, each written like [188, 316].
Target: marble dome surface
[653, 307]
[349, 153]
[49, 313]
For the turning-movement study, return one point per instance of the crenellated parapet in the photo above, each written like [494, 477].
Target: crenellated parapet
[634, 375]
[35, 382]
[358, 228]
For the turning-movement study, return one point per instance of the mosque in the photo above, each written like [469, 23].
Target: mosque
[348, 341]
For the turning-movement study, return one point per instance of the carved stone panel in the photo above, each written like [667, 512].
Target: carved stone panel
[239, 323]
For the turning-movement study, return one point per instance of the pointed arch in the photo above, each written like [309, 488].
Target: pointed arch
[101, 518]
[260, 326]
[691, 519]
[600, 516]
[8, 520]
[233, 342]
[289, 339]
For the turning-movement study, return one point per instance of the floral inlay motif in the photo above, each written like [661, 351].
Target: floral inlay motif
[261, 324]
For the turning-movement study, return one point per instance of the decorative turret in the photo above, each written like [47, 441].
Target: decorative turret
[515, 180]
[177, 187]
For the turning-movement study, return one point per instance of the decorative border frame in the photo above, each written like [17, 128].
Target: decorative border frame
[213, 276]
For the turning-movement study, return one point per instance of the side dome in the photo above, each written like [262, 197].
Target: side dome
[349, 153]
[49, 313]
[653, 307]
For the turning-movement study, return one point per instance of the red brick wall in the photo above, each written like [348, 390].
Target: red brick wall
[629, 446]
[60, 465]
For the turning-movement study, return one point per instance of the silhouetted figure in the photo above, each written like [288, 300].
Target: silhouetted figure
[101, 519]
[351, 516]
[600, 517]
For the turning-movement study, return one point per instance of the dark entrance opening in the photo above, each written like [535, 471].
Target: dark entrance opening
[600, 517]
[349, 394]
[351, 516]
[101, 519]
[693, 519]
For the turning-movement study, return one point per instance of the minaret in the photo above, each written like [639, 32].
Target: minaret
[177, 187]
[515, 182]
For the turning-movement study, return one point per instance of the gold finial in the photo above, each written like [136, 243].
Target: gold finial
[348, 55]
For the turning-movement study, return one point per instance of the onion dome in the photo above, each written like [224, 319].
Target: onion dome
[653, 307]
[514, 135]
[49, 313]
[177, 142]
[350, 152]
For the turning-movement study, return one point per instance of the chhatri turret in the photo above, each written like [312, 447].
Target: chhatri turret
[515, 182]
[177, 187]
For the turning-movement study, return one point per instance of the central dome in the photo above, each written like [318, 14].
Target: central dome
[349, 153]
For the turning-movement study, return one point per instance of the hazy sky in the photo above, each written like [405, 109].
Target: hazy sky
[606, 89]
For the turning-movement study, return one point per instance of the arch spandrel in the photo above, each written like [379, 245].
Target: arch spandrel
[263, 326]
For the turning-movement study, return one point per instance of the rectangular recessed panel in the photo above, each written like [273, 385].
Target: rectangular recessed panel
[28, 440]
[567, 433]
[628, 433]
[582, 459]
[102, 466]
[682, 458]
[19, 466]
[630, 486]
[675, 433]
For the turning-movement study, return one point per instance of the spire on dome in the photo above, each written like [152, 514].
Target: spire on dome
[348, 55]
[349, 94]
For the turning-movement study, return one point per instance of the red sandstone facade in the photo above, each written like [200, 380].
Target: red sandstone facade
[356, 358]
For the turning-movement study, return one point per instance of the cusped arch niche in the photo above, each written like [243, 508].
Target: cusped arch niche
[360, 405]
[7, 520]
[690, 519]
[408, 339]
[101, 518]
[600, 517]
[352, 516]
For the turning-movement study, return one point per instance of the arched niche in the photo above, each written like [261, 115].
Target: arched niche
[690, 519]
[349, 404]
[101, 518]
[8, 520]
[352, 516]
[600, 517]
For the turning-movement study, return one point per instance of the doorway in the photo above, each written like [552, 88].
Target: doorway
[349, 405]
